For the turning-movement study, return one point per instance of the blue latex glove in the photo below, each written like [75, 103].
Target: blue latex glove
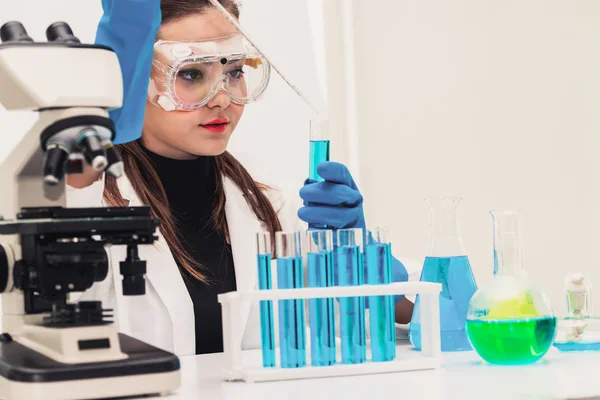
[129, 27]
[337, 203]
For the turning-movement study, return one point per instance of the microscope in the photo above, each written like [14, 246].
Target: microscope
[52, 348]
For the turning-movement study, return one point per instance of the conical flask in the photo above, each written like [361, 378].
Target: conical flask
[509, 321]
[446, 263]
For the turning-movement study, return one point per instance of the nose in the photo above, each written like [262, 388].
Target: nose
[221, 98]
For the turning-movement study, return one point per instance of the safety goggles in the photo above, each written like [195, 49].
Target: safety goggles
[187, 75]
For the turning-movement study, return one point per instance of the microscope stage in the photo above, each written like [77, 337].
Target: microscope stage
[26, 374]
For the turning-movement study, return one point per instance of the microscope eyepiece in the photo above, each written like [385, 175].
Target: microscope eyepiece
[14, 31]
[61, 32]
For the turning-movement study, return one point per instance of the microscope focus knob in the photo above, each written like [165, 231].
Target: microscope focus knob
[5, 269]
[133, 270]
[61, 32]
[14, 31]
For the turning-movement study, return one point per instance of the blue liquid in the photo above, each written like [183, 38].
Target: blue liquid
[574, 346]
[383, 330]
[321, 311]
[267, 327]
[352, 309]
[495, 262]
[292, 335]
[319, 152]
[458, 285]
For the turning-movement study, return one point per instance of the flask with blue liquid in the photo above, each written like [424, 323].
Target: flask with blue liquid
[446, 263]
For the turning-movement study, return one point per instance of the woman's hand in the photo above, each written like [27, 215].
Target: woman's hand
[337, 203]
[334, 202]
[85, 179]
[403, 310]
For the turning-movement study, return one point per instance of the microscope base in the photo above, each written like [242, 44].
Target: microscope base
[26, 374]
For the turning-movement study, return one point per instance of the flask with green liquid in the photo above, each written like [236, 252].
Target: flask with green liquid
[509, 321]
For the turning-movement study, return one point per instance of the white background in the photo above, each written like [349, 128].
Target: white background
[494, 101]
[497, 102]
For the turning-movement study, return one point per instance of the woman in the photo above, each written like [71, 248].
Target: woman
[209, 206]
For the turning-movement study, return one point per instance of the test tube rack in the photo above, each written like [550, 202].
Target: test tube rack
[428, 358]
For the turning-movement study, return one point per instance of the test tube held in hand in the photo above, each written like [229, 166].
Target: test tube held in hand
[319, 146]
[350, 272]
[267, 327]
[292, 331]
[378, 259]
[321, 311]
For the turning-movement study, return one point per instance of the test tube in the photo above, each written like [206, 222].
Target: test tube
[267, 327]
[321, 311]
[319, 146]
[378, 254]
[350, 272]
[292, 335]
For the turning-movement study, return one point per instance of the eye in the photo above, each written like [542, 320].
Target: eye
[236, 73]
[191, 75]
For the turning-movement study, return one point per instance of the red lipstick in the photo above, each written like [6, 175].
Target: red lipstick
[216, 125]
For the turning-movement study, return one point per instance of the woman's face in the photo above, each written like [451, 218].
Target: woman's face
[188, 134]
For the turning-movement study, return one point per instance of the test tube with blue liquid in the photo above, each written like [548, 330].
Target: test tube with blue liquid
[321, 311]
[267, 326]
[292, 331]
[350, 272]
[378, 253]
[319, 146]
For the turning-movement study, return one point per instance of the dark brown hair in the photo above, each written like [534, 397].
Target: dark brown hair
[147, 185]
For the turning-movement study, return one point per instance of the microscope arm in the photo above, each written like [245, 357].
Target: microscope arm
[61, 250]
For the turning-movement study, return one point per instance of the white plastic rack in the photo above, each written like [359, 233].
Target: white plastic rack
[428, 358]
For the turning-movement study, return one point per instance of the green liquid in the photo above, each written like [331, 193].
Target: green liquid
[512, 342]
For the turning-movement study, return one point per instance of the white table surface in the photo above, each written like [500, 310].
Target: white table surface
[463, 376]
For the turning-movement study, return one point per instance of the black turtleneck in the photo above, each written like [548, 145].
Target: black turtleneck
[190, 187]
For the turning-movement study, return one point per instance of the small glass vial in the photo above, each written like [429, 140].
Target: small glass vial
[578, 293]
[579, 330]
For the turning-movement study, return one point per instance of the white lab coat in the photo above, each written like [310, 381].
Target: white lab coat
[164, 276]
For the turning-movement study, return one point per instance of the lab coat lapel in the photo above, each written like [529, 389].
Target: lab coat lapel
[243, 225]
[163, 273]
